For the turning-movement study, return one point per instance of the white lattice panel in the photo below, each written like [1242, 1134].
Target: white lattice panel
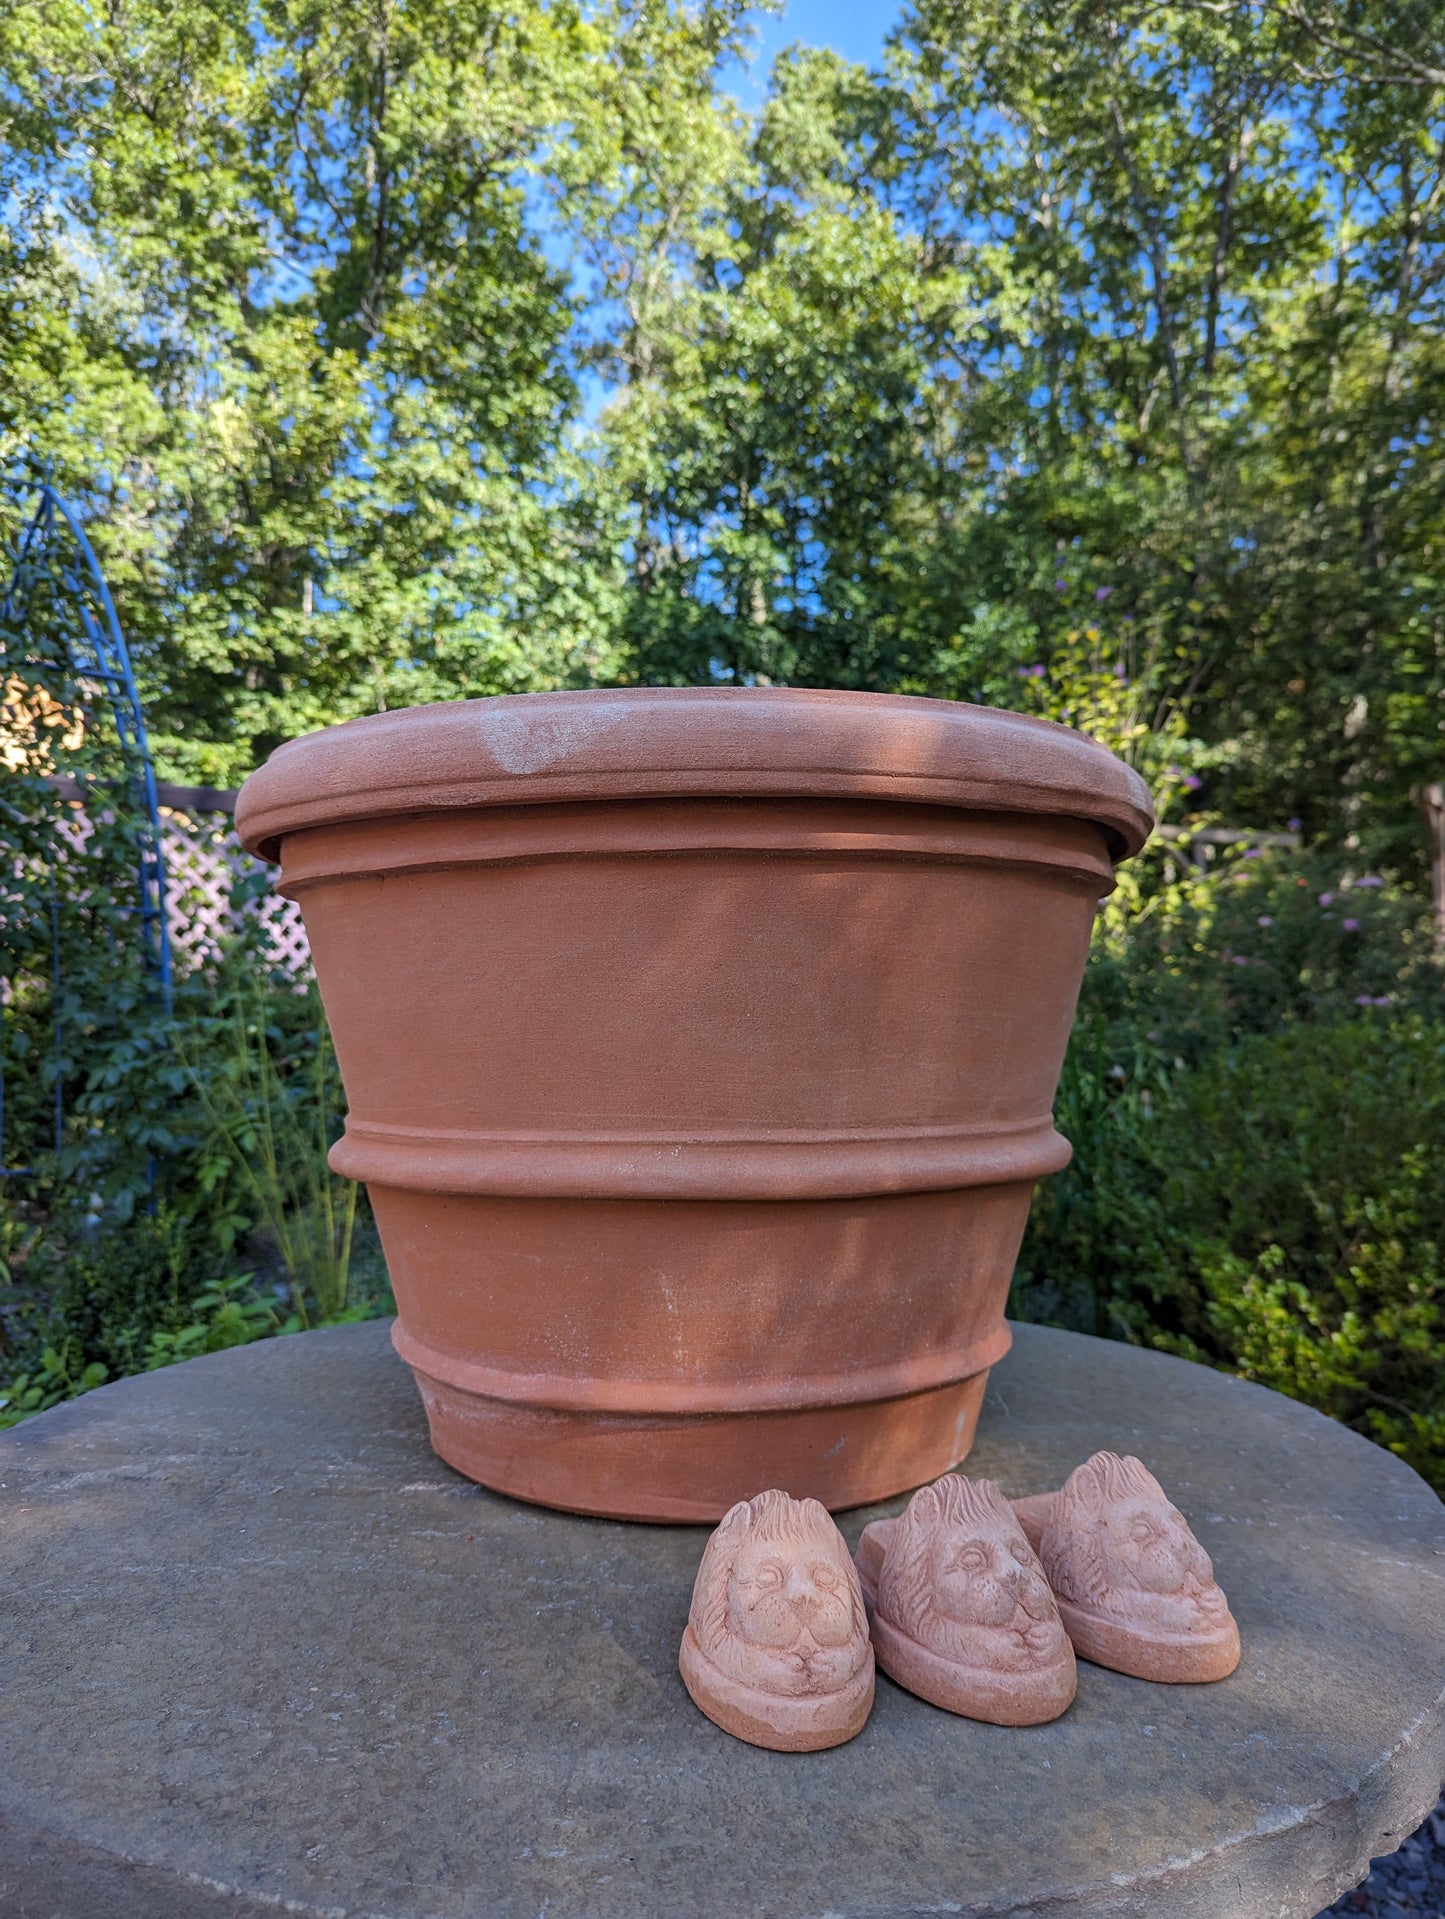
[204, 862]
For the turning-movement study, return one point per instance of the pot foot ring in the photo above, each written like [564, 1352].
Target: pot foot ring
[683, 1468]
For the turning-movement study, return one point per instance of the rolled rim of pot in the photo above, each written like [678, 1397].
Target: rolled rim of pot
[523, 749]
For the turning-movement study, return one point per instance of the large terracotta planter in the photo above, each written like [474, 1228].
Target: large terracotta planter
[700, 1048]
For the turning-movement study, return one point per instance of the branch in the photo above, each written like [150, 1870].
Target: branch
[1395, 66]
[1154, 247]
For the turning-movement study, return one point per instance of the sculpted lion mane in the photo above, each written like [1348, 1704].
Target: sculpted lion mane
[1072, 1548]
[772, 1518]
[776, 1649]
[906, 1584]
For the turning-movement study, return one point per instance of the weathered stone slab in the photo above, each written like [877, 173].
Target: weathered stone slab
[261, 1651]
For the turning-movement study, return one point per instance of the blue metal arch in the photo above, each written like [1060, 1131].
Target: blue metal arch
[105, 657]
[97, 654]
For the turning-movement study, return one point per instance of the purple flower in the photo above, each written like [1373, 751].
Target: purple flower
[1266, 919]
[1384, 999]
[1030, 672]
[1350, 926]
[1327, 899]
[1239, 959]
[1370, 879]
[1059, 585]
[1294, 825]
[1101, 593]
[1255, 853]
[1363, 999]
[1192, 783]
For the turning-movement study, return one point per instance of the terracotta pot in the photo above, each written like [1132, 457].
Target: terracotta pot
[700, 1047]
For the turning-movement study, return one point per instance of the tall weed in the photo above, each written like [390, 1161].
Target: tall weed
[272, 1099]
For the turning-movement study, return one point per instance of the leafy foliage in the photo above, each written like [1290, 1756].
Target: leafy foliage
[1258, 1146]
[269, 1127]
[127, 1302]
[156, 1155]
[190, 1207]
[1314, 1217]
[421, 350]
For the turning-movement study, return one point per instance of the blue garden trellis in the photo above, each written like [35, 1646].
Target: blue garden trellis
[54, 563]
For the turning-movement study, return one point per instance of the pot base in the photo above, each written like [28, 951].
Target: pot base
[680, 1468]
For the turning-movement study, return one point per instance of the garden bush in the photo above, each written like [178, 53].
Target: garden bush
[112, 1262]
[189, 1205]
[1256, 1095]
[110, 1293]
[102, 1303]
[166, 1189]
[1304, 1242]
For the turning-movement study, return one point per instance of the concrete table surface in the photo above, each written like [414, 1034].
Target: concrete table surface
[261, 1652]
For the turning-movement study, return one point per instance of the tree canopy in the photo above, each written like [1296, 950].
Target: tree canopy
[426, 348]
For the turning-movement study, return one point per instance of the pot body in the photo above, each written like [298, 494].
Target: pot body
[700, 1128]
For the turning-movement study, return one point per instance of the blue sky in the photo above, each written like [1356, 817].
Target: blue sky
[854, 28]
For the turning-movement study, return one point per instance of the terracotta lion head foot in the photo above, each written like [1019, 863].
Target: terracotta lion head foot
[776, 1649]
[962, 1613]
[1136, 1590]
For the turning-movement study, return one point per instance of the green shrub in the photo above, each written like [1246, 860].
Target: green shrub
[227, 1313]
[1278, 1210]
[1079, 1264]
[1186, 962]
[57, 1374]
[110, 1291]
[134, 1299]
[157, 1144]
[1305, 1238]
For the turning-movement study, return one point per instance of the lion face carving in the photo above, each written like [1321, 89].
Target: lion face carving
[961, 1579]
[1115, 1543]
[777, 1605]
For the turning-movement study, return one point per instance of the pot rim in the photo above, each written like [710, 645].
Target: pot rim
[524, 749]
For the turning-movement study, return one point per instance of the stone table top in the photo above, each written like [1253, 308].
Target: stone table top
[261, 1652]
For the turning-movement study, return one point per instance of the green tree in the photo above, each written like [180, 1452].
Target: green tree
[301, 238]
[425, 349]
[1215, 242]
